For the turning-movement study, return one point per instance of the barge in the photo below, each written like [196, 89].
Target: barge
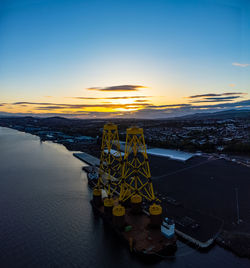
[152, 242]
[143, 239]
[123, 195]
[202, 238]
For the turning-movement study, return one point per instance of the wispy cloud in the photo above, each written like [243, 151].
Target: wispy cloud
[216, 95]
[216, 99]
[223, 98]
[63, 106]
[170, 105]
[240, 64]
[140, 108]
[161, 112]
[32, 103]
[84, 106]
[110, 98]
[238, 104]
[118, 88]
[232, 85]
[140, 101]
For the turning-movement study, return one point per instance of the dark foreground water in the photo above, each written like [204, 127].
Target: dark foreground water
[46, 219]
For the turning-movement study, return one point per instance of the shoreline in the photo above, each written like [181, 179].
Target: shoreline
[218, 240]
[225, 240]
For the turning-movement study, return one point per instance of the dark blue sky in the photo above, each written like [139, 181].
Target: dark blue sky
[57, 49]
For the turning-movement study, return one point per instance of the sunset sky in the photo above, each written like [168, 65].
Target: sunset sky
[117, 58]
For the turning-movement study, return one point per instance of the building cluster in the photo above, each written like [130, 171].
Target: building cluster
[45, 133]
[210, 135]
[216, 135]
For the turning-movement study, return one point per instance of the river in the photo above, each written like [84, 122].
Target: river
[46, 219]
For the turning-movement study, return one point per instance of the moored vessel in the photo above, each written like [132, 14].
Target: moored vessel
[124, 184]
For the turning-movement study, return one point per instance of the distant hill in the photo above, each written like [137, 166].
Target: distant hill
[229, 114]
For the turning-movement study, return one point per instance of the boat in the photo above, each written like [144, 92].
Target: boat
[92, 176]
[145, 241]
[124, 186]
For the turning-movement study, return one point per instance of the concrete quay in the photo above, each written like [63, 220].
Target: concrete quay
[87, 158]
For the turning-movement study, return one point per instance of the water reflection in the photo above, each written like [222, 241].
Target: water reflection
[47, 220]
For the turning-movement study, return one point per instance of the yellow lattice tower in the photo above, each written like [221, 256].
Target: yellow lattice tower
[136, 176]
[110, 160]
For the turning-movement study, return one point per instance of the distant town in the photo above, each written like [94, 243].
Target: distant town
[219, 133]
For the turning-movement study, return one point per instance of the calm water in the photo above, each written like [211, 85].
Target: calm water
[46, 218]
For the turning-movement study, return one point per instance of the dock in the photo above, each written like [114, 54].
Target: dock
[195, 227]
[200, 229]
[88, 159]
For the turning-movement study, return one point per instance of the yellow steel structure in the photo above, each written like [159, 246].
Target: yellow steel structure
[136, 176]
[110, 160]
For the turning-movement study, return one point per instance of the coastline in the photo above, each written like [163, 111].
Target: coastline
[228, 240]
[221, 238]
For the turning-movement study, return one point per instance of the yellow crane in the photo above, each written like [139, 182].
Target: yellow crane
[129, 177]
[136, 176]
[110, 160]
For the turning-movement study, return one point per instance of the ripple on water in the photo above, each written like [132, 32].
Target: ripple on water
[47, 221]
